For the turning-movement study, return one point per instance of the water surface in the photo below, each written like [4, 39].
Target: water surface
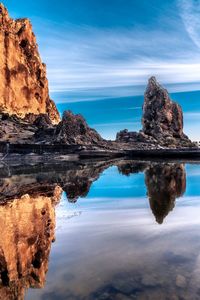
[121, 230]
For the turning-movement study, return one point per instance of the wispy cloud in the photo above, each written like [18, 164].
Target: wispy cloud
[190, 11]
[83, 57]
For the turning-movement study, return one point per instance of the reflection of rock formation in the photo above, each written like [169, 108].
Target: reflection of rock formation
[27, 231]
[165, 182]
[75, 178]
[129, 167]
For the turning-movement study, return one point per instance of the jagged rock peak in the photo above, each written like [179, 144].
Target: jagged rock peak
[162, 117]
[153, 86]
[162, 121]
[73, 129]
[160, 114]
[23, 81]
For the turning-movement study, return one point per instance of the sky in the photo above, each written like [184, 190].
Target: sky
[108, 43]
[106, 49]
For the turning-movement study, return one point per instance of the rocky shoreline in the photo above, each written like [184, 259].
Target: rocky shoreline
[30, 123]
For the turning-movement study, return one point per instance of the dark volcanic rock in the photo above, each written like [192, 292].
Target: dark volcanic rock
[42, 121]
[162, 121]
[125, 136]
[161, 116]
[73, 129]
[15, 130]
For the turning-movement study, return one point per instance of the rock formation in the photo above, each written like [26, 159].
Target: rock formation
[72, 129]
[162, 120]
[23, 82]
[29, 116]
[27, 231]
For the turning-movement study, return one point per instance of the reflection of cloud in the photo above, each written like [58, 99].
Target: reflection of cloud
[124, 242]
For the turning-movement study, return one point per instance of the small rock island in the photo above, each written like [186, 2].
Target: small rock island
[30, 122]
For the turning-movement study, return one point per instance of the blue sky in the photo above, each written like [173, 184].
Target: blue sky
[106, 50]
[108, 43]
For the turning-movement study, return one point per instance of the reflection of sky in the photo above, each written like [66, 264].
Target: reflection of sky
[116, 191]
[110, 238]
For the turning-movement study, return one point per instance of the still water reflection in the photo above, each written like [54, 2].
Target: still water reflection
[105, 219]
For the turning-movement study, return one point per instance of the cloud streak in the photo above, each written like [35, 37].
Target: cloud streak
[83, 57]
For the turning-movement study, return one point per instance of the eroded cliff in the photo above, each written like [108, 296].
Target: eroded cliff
[23, 81]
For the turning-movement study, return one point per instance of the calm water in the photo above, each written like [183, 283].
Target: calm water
[121, 230]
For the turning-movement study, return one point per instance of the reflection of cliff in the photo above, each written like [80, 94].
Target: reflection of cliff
[165, 183]
[27, 231]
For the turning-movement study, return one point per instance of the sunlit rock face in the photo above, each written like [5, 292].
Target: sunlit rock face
[27, 231]
[164, 184]
[23, 82]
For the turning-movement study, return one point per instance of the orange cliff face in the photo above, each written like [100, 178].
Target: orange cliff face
[23, 82]
[27, 231]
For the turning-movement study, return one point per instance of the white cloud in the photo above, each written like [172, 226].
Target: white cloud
[86, 57]
[190, 12]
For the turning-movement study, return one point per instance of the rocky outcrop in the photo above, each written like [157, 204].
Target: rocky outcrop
[162, 118]
[23, 81]
[15, 130]
[162, 121]
[73, 129]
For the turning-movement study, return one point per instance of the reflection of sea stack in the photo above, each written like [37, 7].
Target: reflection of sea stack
[27, 231]
[165, 183]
